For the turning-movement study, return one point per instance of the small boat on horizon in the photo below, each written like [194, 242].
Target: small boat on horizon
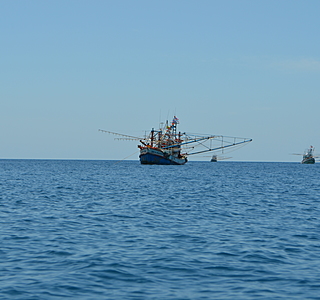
[214, 158]
[308, 157]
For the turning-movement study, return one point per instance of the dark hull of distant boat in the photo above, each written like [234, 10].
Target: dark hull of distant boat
[309, 160]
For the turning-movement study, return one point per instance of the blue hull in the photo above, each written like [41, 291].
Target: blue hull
[158, 157]
[152, 157]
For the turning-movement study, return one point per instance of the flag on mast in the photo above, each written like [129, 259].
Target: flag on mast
[175, 120]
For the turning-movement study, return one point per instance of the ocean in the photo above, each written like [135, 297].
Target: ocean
[120, 230]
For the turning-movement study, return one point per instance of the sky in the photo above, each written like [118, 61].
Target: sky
[244, 68]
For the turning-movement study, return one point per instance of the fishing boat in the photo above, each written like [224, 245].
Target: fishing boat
[168, 146]
[163, 146]
[214, 158]
[308, 157]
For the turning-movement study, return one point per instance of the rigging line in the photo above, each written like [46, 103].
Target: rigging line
[192, 141]
[119, 161]
[236, 147]
[220, 147]
[204, 145]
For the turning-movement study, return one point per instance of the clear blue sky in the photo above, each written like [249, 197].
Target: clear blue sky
[238, 68]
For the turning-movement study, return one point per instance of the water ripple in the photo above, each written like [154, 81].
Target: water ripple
[99, 230]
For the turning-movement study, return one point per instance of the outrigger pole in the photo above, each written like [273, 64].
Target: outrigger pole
[221, 147]
[128, 137]
[193, 141]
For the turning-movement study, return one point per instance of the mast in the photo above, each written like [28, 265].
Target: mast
[152, 137]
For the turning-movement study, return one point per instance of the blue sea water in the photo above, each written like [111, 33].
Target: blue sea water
[121, 230]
